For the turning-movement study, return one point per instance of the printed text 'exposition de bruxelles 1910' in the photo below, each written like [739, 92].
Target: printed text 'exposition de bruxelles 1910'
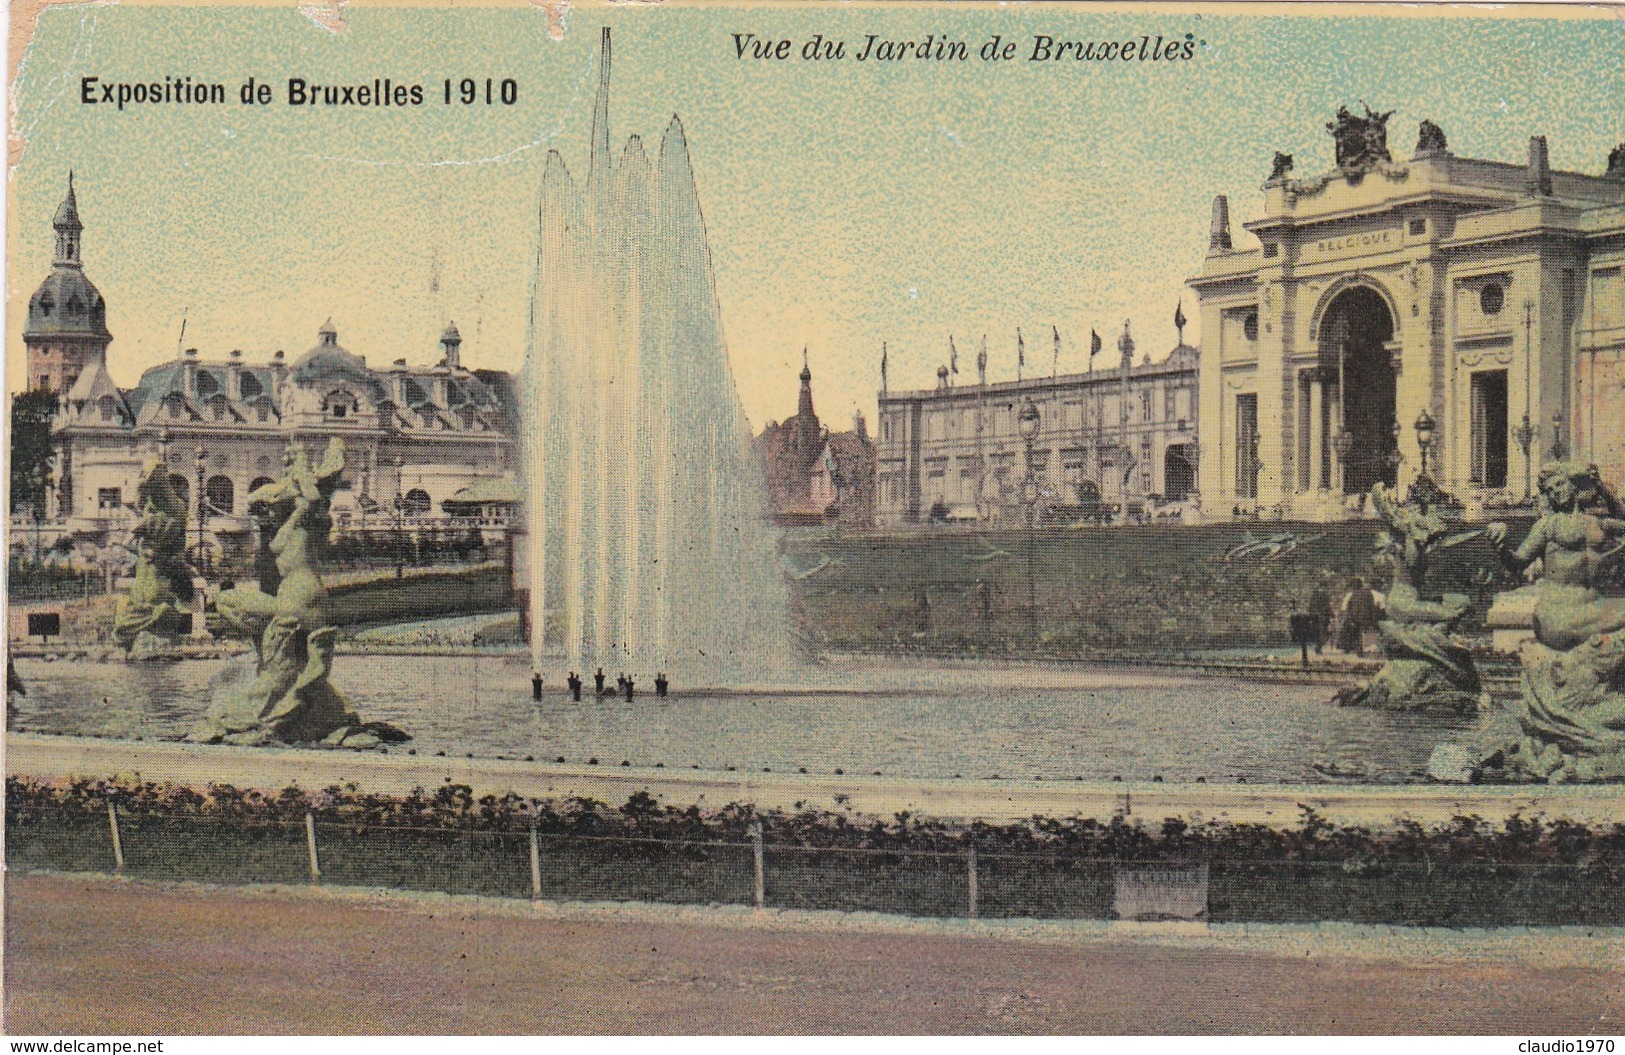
[380, 92]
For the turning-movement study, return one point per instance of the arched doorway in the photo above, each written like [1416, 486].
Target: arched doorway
[1355, 332]
[1178, 474]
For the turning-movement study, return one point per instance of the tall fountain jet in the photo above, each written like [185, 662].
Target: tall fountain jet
[648, 549]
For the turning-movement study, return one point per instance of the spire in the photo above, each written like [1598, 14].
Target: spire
[600, 110]
[68, 228]
[805, 407]
[1218, 232]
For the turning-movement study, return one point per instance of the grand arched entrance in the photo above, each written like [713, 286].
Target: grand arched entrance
[1178, 474]
[1355, 334]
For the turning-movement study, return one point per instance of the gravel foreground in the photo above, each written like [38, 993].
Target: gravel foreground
[88, 954]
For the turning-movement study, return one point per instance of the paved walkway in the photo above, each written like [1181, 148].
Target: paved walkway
[59, 758]
[89, 955]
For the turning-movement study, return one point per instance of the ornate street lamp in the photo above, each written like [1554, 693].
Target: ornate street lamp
[1559, 446]
[1027, 422]
[1524, 437]
[202, 457]
[1425, 426]
[1394, 457]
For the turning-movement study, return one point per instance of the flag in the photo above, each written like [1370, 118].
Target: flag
[1179, 317]
[1055, 365]
[1021, 352]
[883, 366]
[1094, 345]
[953, 356]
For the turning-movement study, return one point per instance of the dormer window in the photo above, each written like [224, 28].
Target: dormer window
[46, 304]
[105, 405]
[75, 305]
[340, 402]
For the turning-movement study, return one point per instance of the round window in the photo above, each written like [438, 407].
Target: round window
[1249, 326]
[1491, 299]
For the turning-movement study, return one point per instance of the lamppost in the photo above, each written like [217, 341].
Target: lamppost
[1394, 457]
[1027, 421]
[1425, 426]
[1524, 437]
[400, 521]
[1559, 446]
[1343, 443]
[202, 457]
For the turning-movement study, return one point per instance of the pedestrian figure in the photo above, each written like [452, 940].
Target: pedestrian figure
[1320, 606]
[574, 681]
[984, 597]
[598, 679]
[620, 684]
[661, 684]
[535, 685]
[626, 683]
[1360, 617]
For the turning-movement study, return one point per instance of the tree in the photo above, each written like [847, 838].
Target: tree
[33, 451]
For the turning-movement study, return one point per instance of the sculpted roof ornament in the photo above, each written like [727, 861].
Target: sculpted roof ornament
[1362, 142]
[1430, 138]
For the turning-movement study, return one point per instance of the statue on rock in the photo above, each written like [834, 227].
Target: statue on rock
[284, 695]
[1571, 713]
[1427, 667]
[151, 616]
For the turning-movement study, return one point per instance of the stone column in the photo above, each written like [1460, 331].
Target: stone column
[1317, 431]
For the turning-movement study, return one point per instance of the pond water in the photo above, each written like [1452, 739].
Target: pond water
[912, 719]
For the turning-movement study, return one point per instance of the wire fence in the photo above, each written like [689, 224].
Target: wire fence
[757, 871]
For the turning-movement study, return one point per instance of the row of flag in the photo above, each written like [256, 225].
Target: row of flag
[1095, 345]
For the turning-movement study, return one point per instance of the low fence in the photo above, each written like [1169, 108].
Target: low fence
[759, 871]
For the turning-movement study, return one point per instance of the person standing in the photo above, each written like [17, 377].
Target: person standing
[598, 681]
[1360, 618]
[1320, 606]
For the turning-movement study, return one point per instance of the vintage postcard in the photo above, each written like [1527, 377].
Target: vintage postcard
[745, 518]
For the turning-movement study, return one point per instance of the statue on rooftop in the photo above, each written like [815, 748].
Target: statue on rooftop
[1362, 142]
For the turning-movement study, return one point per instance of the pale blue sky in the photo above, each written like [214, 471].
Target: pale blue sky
[848, 204]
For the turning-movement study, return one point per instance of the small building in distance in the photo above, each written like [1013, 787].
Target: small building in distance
[814, 476]
[1116, 444]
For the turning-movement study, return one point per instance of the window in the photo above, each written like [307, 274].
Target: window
[109, 498]
[415, 503]
[220, 494]
[1419, 227]
[46, 304]
[1271, 250]
[1489, 410]
[1249, 326]
[1492, 298]
[106, 405]
[1247, 445]
[263, 412]
[1145, 406]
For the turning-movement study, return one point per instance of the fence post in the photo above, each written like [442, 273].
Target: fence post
[756, 850]
[118, 847]
[535, 867]
[310, 842]
[970, 876]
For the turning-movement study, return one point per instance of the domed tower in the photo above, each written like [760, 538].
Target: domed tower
[66, 330]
